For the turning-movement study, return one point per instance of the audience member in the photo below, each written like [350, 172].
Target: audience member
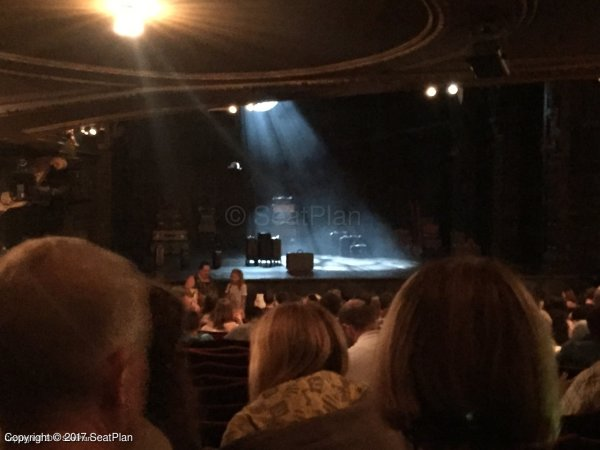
[208, 306]
[74, 329]
[201, 285]
[331, 302]
[223, 317]
[580, 354]
[236, 290]
[570, 299]
[467, 361]
[558, 313]
[385, 300]
[360, 324]
[583, 394]
[297, 360]
[191, 330]
[312, 298]
[596, 298]
[588, 296]
[578, 328]
[244, 330]
[171, 402]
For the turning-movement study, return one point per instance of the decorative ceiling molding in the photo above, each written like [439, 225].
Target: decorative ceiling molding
[432, 28]
[43, 93]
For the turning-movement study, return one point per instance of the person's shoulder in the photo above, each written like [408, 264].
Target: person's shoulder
[358, 427]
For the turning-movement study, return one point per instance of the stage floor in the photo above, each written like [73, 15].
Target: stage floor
[325, 267]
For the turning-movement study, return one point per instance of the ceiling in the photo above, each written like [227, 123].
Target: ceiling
[61, 65]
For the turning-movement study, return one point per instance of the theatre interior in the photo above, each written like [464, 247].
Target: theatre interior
[311, 144]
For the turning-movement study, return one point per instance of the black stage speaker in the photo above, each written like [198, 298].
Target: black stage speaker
[251, 250]
[300, 263]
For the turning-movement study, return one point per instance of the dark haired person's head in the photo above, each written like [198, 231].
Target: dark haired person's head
[204, 270]
[596, 297]
[283, 297]
[569, 298]
[580, 313]
[191, 322]
[467, 360]
[385, 300]
[223, 313]
[331, 302]
[593, 322]
[588, 296]
[208, 304]
[357, 317]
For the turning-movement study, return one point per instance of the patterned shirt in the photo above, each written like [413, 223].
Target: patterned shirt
[314, 395]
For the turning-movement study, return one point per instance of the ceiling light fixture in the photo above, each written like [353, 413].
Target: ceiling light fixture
[131, 16]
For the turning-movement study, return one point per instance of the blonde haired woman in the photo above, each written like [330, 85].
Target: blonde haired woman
[297, 360]
[467, 361]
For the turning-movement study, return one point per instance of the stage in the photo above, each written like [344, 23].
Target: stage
[372, 274]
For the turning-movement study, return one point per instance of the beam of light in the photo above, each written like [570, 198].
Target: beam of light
[289, 158]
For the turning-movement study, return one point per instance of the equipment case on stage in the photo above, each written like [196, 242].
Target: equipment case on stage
[299, 263]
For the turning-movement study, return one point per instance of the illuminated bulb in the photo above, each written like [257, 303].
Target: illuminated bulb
[130, 16]
[265, 106]
[232, 109]
[93, 131]
[262, 106]
[452, 89]
[431, 91]
[128, 26]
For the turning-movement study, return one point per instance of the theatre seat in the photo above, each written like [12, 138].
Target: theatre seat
[219, 371]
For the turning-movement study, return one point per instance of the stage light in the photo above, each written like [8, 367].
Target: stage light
[130, 16]
[452, 89]
[262, 106]
[232, 109]
[431, 91]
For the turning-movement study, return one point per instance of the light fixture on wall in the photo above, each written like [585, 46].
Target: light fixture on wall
[431, 91]
[452, 89]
